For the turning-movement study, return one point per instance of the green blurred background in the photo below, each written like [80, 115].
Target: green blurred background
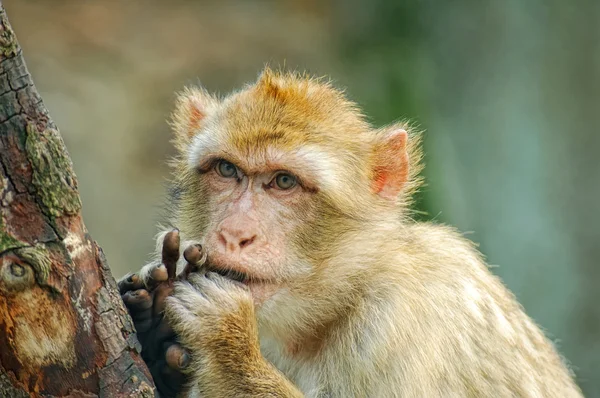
[507, 91]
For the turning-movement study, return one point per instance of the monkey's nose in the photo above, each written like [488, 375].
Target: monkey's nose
[235, 240]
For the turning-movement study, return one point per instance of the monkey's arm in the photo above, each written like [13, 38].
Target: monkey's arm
[214, 319]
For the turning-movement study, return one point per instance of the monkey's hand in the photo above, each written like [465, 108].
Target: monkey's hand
[160, 350]
[144, 295]
[214, 319]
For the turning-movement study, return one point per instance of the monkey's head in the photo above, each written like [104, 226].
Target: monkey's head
[279, 178]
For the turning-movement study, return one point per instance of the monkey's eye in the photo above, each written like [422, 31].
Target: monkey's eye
[285, 181]
[226, 169]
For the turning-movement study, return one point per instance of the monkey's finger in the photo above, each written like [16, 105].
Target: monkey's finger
[160, 295]
[157, 276]
[130, 282]
[137, 301]
[177, 357]
[170, 252]
[196, 256]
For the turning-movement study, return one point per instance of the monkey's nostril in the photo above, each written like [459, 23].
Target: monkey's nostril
[246, 242]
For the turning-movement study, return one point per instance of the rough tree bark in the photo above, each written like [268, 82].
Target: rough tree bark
[64, 331]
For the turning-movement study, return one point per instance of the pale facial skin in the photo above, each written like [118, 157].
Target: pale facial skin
[253, 215]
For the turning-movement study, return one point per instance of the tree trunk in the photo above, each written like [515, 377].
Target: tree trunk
[64, 331]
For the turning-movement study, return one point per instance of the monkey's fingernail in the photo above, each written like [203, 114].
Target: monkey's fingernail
[177, 357]
[184, 360]
[170, 252]
[159, 274]
[203, 259]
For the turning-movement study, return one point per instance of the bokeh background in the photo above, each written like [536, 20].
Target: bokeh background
[507, 91]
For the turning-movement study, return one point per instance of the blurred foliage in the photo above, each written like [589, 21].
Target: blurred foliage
[508, 93]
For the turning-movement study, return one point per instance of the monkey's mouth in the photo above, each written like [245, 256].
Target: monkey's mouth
[260, 289]
[235, 271]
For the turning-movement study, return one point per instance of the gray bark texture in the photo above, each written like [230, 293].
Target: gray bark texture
[64, 331]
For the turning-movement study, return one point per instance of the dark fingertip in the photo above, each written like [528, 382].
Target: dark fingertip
[125, 285]
[159, 274]
[193, 254]
[171, 242]
[136, 281]
[129, 282]
[137, 300]
[141, 294]
[177, 357]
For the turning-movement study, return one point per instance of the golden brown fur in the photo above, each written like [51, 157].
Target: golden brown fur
[367, 303]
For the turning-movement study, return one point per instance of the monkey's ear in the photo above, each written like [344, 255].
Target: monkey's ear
[193, 105]
[390, 170]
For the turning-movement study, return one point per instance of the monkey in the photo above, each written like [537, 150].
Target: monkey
[317, 281]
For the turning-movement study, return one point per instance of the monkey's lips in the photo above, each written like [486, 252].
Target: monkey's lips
[261, 289]
[234, 272]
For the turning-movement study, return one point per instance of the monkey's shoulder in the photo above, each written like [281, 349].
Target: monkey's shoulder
[431, 246]
[445, 273]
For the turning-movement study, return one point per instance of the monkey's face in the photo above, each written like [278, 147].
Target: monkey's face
[275, 177]
[254, 218]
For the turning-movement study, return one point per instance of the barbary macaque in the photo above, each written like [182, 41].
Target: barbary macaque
[304, 274]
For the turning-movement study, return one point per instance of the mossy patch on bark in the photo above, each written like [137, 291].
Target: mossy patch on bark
[7, 241]
[8, 39]
[53, 175]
